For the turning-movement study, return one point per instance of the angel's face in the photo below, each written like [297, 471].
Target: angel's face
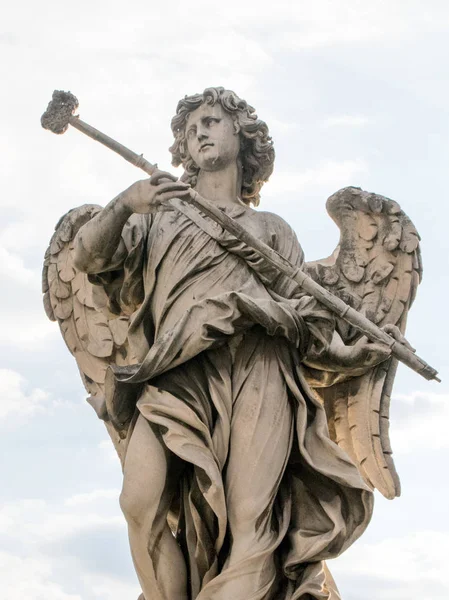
[212, 137]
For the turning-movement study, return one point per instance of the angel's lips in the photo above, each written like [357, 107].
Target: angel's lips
[208, 145]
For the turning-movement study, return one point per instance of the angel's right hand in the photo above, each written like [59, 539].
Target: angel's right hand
[149, 195]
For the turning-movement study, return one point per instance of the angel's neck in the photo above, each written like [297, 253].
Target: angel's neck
[223, 187]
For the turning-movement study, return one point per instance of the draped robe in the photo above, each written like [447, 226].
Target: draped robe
[220, 351]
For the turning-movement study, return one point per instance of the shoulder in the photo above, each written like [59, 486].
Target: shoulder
[271, 219]
[280, 236]
[274, 225]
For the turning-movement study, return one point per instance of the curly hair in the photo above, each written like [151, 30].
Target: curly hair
[256, 146]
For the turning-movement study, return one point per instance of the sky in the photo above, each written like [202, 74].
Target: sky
[354, 93]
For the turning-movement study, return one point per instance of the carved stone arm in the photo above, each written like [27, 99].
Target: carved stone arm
[98, 243]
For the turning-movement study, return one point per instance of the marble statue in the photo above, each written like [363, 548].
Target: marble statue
[250, 421]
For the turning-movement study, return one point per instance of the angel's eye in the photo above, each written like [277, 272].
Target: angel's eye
[212, 121]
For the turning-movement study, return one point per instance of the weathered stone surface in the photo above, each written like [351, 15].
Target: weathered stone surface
[251, 423]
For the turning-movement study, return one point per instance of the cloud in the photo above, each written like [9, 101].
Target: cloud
[12, 268]
[329, 175]
[326, 23]
[413, 566]
[27, 331]
[33, 578]
[18, 400]
[346, 121]
[30, 578]
[21, 401]
[19, 235]
[23, 323]
[110, 588]
[94, 496]
[108, 450]
[62, 547]
[36, 521]
[24, 327]
[422, 422]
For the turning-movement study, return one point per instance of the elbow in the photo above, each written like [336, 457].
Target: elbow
[83, 260]
[83, 264]
[88, 265]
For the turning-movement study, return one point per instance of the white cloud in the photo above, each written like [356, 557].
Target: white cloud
[42, 539]
[278, 127]
[20, 235]
[17, 397]
[36, 521]
[54, 527]
[22, 319]
[23, 323]
[109, 452]
[330, 175]
[110, 588]
[94, 496]
[30, 578]
[12, 268]
[424, 426]
[322, 23]
[27, 332]
[413, 566]
[346, 121]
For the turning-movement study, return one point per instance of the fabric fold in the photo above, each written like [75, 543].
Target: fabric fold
[265, 496]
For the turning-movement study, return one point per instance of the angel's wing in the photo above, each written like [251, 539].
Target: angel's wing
[376, 268]
[96, 336]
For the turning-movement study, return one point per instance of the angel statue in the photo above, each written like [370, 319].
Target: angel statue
[251, 422]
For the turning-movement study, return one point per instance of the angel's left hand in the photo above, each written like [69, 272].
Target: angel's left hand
[365, 354]
[395, 333]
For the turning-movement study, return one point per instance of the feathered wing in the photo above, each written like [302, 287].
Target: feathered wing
[376, 268]
[95, 336]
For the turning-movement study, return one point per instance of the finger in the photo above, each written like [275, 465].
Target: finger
[164, 208]
[391, 329]
[169, 186]
[158, 175]
[172, 194]
[396, 333]
[407, 344]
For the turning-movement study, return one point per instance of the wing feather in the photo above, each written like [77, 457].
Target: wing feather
[376, 268]
[94, 336]
[64, 264]
[92, 366]
[59, 288]
[342, 431]
[93, 329]
[83, 290]
[48, 307]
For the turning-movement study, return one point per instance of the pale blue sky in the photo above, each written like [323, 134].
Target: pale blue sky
[354, 93]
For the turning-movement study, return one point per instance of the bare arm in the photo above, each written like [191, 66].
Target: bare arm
[98, 244]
